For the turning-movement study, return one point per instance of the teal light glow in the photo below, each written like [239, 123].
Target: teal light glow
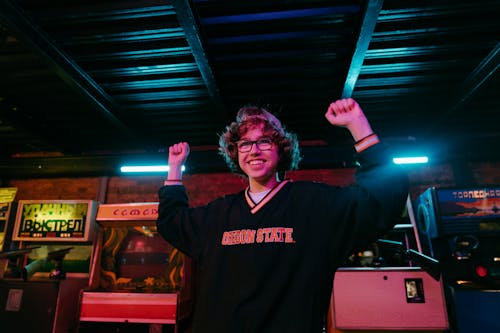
[146, 168]
[411, 160]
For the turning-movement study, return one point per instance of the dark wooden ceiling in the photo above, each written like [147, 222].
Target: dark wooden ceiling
[88, 84]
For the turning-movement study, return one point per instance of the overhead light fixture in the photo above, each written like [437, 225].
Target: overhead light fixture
[411, 160]
[146, 168]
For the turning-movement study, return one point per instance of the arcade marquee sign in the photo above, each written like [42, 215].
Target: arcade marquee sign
[126, 212]
[61, 220]
[128, 215]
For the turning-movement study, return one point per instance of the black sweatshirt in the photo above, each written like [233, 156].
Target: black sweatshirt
[269, 267]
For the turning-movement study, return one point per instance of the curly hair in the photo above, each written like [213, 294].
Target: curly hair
[249, 117]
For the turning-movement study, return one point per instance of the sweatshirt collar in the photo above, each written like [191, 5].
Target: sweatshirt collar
[255, 207]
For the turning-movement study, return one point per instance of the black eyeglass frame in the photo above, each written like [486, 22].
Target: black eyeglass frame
[261, 143]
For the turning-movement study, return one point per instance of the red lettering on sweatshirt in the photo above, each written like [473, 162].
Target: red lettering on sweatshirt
[262, 235]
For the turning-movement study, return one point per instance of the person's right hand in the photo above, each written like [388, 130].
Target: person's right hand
[177, 156]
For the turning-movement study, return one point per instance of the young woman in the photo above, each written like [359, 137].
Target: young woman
[267, 255]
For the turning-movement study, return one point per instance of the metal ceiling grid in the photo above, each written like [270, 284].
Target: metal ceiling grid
[426, 60]
[290, 56]
[95, 78]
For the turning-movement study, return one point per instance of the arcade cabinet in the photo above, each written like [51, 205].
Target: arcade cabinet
[461, 228]
[141, 276]
[389, 287]
[53, 249]
[7, 196]
[7, 206]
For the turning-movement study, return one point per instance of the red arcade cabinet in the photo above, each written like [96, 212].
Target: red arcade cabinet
[140, 274]
[52, 252]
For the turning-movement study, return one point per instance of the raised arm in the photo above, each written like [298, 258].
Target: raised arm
[347, 113]
[385, 182]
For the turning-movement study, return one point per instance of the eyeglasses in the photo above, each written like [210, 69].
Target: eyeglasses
[244, 146]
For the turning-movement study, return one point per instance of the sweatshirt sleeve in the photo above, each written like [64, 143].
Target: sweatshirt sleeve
[376, 202]
[177, 223]
[385, 181]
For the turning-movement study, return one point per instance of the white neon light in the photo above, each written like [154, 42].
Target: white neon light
[146, 168]
[410, 160]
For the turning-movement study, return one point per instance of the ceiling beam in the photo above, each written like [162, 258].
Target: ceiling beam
[15, 19]
[368, 22]
[483, 72]
[189, 23]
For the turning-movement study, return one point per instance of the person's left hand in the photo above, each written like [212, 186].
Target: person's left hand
[344, 112]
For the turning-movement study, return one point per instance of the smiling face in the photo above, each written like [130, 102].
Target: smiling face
[259, 165]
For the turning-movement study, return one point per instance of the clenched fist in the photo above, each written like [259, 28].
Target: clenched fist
[177, 156]
[347, 113]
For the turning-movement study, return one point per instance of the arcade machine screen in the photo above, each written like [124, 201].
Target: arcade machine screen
[138, 259]
[42, 261]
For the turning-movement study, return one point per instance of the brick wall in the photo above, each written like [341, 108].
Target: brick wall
[203, 188]
[56, 188]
